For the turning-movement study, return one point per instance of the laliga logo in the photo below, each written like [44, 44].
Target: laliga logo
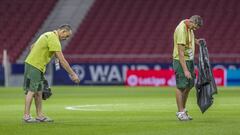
[79, 70]
[132, 80]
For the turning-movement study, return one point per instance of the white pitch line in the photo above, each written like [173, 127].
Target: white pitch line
[94, 107]
[110, 107]
[125, 107]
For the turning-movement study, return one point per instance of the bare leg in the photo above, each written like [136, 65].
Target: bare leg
[180, 100]
[185, 97]
[28, 103]
[38, 104]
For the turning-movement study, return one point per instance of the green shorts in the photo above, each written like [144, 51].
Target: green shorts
[181, 81]
[33, 79]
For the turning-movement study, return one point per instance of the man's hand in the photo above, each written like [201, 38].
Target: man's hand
[74, 78]
[197, 41]
[187, 74]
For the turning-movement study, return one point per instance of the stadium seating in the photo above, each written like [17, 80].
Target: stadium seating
[142, 30]
[126, 30]
[19, 21]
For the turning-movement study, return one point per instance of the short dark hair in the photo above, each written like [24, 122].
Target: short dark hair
[65, 27]
[197, 20]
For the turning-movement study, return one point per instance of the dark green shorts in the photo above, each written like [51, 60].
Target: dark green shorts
[33, 79]
[181, 81]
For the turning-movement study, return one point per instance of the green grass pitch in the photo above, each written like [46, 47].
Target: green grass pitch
[120, 111]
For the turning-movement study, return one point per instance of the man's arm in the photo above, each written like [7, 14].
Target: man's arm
[181, 49]
[67, 67]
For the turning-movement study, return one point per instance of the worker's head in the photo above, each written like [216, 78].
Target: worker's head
[196, 22]
[64, 31]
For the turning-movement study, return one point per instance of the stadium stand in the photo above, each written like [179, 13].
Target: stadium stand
[126, 30]
[19, 21]
[141, 30]
[69, 12]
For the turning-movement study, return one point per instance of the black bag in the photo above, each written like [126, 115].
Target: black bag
[46, 90]
[206, 86]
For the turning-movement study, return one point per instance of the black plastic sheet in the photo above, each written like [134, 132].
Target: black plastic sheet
[206, 86]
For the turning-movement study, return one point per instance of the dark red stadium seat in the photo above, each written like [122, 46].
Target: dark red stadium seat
[146, 27]
[21, 20]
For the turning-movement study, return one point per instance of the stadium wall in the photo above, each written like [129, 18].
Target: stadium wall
[115, 74]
